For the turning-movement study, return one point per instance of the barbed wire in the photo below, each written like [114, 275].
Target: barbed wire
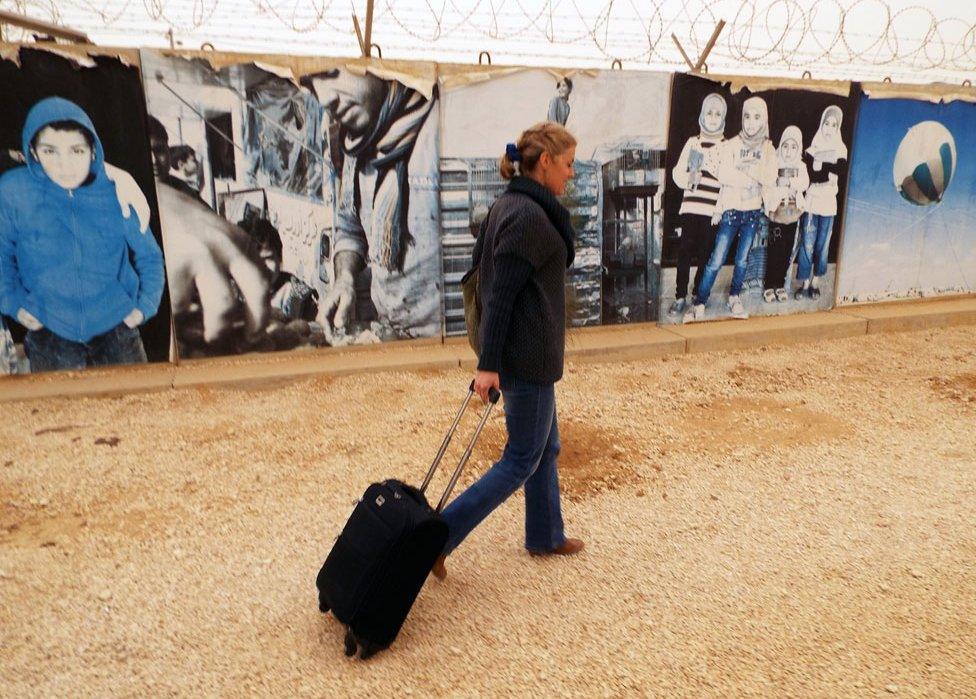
[789, 34]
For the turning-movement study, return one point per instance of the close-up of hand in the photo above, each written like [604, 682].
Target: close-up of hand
[130, 195]
[338, 308]
[134, 319]
[205, 254]
[484, 381]
[28, 320]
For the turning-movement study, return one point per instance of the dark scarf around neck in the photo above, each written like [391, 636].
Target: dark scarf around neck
[557, 213]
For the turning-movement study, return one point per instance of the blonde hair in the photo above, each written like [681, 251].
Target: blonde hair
[545, 137]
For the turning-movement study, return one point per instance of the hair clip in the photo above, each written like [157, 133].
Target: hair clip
[512, 151]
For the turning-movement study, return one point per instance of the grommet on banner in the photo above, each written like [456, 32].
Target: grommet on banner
[484, 54]
[807, 75]
[379, 51]
[886, 79]
[207, 46]
[616, 65]
[967, 83]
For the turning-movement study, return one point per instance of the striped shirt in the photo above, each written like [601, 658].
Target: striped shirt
[699, 198]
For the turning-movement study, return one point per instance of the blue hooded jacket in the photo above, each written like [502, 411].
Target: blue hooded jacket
[65, 254]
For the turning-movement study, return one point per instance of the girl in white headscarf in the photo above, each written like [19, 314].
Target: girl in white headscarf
[784, 203]
[827, 161]
[701, 187]
[747, 164]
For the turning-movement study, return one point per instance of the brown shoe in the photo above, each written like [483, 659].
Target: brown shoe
[568, 548]
[439, 570]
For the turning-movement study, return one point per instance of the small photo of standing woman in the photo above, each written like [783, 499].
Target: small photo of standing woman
[784, 204]
[827, 161]
[695, 174]
[74, 271]
[559, 105]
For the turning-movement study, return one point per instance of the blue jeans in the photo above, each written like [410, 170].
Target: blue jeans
[529, 460]
[49, 352]
[743, 224]
[814, 246]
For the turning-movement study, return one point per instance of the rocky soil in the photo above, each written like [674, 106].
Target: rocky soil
[795, 521]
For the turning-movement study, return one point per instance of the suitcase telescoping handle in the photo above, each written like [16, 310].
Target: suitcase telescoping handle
[493, 396]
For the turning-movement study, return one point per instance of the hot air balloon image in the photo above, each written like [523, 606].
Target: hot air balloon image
[924, 163]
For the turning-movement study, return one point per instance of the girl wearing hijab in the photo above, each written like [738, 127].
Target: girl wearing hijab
[747, 164]
[692, 174]
[784, 203]
[827, 159]
[559, 105]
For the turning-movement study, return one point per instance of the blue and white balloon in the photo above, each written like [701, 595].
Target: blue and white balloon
[924, 163]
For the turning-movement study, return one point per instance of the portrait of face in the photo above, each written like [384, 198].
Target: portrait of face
[562, 89]
[190, 167]
[65, 156]
[789, 150]
[556, 172]
[353, 100]
[830, 126]
[753, 119]
[713, 117]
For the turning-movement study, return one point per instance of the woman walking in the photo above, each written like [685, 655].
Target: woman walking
[523, 251]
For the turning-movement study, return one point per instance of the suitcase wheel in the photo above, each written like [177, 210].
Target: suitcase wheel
[350, 643]
[368, 650]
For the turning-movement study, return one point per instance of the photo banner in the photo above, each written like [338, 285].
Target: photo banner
[299, 209]
[909, 230]
[754, 202]
[619, 119]
[82, 278]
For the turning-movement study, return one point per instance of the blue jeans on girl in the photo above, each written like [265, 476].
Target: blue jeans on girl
[743, 224]
[814, 246]
[49, 352]
[529, 460]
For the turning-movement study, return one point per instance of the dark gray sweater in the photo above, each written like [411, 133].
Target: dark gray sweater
[523, 256]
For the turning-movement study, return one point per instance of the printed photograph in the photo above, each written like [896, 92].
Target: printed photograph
[909, 230]
[754, 202]
[82, 279]
[614, 197]
[297, 211]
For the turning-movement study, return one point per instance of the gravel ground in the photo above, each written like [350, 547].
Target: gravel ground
[780, 521]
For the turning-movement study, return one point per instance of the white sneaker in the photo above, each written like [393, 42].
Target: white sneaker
[678, 307]
[736, 308]
[695, 313]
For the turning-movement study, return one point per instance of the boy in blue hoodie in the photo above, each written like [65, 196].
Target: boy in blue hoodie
[76, 273]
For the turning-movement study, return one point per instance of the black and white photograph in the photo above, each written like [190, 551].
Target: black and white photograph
[614, 196]
[754, 203]
[82, 279]
[308, 216]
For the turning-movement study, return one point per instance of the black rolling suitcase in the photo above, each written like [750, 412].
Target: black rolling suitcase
[386, 550]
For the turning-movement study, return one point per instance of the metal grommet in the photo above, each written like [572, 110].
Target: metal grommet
[616, 65]
[807, 75]
[484, 54]
[379, 51]
[207, 46]
[967, 83]
[886, 79]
